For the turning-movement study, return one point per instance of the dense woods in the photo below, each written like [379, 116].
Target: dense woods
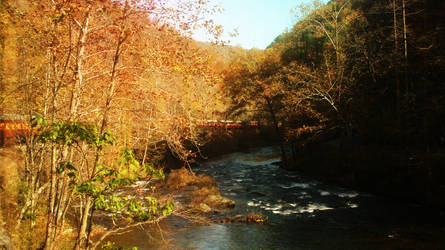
[110, 86]
[355, 91]
[99, 80]
[369, 68]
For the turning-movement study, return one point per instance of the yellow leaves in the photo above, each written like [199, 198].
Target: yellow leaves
[195, 104]
[177, 68]
[161, 78]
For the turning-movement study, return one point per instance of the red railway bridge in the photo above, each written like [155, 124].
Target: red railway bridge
[13, 125]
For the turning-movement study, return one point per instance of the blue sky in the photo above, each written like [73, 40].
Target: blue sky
[258, 21]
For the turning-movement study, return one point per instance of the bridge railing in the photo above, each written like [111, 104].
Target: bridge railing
[12, 125]
[228, 124]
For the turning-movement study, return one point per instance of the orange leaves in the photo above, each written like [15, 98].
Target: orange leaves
[128, 59]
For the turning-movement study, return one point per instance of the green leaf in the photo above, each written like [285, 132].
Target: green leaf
[99, 179]
[38, 121]
[168, 208]
[100, 166]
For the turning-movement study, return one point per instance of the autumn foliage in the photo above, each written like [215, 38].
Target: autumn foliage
[363, 69]
[95, 79]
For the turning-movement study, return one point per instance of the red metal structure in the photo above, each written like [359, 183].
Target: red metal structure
[12, 125]
[228, 124]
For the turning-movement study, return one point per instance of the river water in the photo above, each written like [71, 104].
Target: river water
[303, 213]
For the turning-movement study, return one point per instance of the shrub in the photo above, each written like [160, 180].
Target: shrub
[181, 178]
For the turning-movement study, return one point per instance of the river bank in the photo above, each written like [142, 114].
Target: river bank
[303, 213]
[407, 174]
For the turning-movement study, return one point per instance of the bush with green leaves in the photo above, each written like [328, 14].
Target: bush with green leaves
[90, 178]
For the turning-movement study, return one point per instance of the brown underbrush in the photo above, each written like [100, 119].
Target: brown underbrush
[250, 218]
[201, 191]
[201, 195]
[10, 186]
[183, 177]
[31, 233]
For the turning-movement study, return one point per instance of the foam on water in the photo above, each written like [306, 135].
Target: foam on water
[348, 195]
[314, 207]
[291, 208]
[324, 193]
[285, 212]
[311, 208]
[352, 205]
[253, 204]
[294, 185]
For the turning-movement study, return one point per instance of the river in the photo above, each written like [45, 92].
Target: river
[303, 213]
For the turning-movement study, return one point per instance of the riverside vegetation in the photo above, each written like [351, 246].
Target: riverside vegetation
[98, 80]
[353, 93]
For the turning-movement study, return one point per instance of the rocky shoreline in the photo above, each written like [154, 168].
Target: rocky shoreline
[195, 198]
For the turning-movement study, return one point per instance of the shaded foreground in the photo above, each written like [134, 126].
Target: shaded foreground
[303, 214]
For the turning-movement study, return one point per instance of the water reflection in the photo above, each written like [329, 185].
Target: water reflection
[303, 213]
[215, 236]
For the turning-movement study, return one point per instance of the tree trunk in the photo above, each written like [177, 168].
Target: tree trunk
[396, 57]
[79, 74]
[405, 45]
[82, 237]
[277, 130]
[84, 232]
[50, 227]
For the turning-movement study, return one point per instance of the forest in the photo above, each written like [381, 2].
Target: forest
[355, 93]
[105, 91]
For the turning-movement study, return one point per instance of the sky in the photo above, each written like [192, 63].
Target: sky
[258, 22]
